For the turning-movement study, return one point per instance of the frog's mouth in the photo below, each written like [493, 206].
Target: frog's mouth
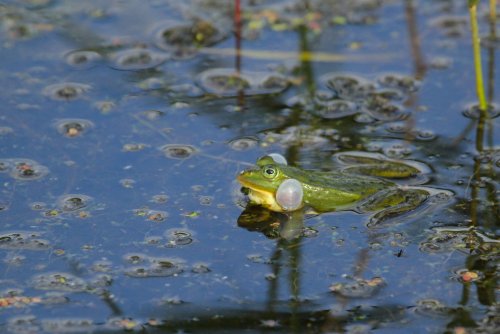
[250, 185]
[260, 196]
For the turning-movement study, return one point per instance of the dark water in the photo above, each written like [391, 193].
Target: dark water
[122, 128]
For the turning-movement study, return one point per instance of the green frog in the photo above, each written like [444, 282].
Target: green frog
[363, 185]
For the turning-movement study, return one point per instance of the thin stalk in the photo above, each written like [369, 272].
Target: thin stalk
[237, 63]
[477, 59]
[493, 10]
[491, 49]
[237, 32]
[491, 66]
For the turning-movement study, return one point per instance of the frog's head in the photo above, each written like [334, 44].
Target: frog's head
[266, 177]
[263, 182]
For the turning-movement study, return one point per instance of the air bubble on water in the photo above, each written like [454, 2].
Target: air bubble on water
[23, 240]
[183, 39]
[73, 127]
[386, 112]
[206, 200]
[178, 237]
[464, 275]
[397, 150]
[243, 143]
[425, 135]
[151, 215]
[134, 147]
[25, 169]
[403, 83]
[448, 239]
[197, 187]
[270, 277]
[105, 106]
[153, 240]
[161, 198]
[472, 111]
[153, 114]
[52, 213]
[184, 90]
[135, 258]
[397, 127]
[180, 105]
[335, 109]
[127, 183]
[178, 151]
[309, 232]
[73, 202]
[228, 82]
[156, 267]
[375, 245]
[102, 266]
[258, 258]
[200, 268]
[66, 91]
[59, 282]
[82, 58]
[441, 63]
[137, 59]
[225, 82]
[348, 86]
[388, 94]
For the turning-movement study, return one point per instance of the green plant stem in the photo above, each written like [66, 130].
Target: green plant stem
[493, 10]
[477, 59]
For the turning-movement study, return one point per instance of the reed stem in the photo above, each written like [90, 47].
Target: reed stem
[493, 10]
[483, 105]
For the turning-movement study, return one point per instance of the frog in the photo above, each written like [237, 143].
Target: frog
[365, 183]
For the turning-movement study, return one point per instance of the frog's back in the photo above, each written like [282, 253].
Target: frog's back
[330, 191]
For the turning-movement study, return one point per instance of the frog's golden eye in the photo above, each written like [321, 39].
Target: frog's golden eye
[269, 172]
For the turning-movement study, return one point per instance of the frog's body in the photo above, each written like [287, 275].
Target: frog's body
[335, 190]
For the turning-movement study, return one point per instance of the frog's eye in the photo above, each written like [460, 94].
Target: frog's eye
[270, 172]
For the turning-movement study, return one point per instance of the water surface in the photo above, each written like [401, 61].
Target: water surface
[124, 124]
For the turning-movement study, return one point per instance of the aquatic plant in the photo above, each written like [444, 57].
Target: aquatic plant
[477, 55]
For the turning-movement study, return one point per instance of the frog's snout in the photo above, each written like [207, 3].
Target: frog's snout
[240, 176]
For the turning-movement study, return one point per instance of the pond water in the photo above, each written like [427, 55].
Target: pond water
[123, 125]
